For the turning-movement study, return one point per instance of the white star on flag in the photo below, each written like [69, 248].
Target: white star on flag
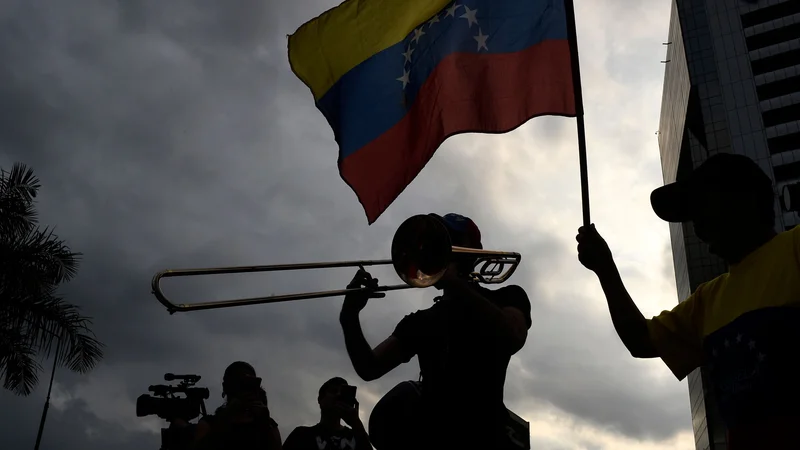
[405, 79]
[481, 38]
[408, 54]
[417, 34]
[470, 16]
[451, 11]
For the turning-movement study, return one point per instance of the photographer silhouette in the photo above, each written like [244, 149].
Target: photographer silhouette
[244, 421]
[337, 403]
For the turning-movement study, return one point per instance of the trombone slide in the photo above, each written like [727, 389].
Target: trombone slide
[421, 252]
[183, 307]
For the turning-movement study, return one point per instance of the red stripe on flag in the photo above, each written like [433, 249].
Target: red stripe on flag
[467, 92]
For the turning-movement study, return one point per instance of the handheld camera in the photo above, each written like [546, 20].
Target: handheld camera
[347, 395]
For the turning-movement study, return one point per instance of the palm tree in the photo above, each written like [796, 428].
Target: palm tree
[34, 319]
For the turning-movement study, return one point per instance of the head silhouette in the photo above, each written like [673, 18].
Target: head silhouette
[329, 394]
[728, 199]
[463, 232]
[239, 378]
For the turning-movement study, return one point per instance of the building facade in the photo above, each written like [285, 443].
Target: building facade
[731, 85]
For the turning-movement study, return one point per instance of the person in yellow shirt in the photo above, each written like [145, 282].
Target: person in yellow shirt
[744, 325]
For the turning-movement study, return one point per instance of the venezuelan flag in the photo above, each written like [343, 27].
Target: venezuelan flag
[396, 78]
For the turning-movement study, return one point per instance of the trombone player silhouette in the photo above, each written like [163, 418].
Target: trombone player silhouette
[464, 343]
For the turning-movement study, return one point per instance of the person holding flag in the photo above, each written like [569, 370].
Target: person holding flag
[743, 326]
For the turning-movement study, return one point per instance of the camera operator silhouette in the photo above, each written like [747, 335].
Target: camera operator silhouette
[178, 411]
[337, 403]
[464, 343]
[243, 422]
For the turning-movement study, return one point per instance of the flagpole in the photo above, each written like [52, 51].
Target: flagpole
[576, 84]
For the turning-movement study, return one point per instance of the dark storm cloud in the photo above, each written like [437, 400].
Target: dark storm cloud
[75, 430]
[172, 134]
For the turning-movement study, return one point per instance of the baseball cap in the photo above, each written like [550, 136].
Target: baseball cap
[463, 230]
[676, 202]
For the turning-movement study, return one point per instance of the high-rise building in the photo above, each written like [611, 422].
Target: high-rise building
[731, 84]
[518, 431]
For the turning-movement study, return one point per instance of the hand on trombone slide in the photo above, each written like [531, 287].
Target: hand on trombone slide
[355, 301]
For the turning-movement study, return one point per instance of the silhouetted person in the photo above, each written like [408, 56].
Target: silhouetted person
[744, 325]
[464, 343]
[329, 433]
[243, 422]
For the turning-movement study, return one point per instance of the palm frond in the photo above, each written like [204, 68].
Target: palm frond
[18, 189]
[37, 256]
[21, 179]
[34, 320]
[49, 320]
[83, 353]
[18, 366]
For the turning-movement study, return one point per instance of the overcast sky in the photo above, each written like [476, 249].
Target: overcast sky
[173, 134]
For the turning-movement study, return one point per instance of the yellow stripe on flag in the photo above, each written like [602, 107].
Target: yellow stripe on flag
[325, 48]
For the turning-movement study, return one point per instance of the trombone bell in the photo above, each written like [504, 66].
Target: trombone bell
[421, 253]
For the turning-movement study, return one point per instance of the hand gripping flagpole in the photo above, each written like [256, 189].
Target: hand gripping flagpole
[576, 83]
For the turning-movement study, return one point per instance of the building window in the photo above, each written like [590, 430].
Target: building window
[778, 88]
[776, 62]
[787, 172]
[770, 13]
[785, 143]
[773, 37]
[785, 114]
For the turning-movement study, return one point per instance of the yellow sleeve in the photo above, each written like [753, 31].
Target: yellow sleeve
[677, 336]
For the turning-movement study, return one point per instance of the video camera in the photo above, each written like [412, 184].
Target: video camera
[166, 405]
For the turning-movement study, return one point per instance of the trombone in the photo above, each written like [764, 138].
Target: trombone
[421, 253]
